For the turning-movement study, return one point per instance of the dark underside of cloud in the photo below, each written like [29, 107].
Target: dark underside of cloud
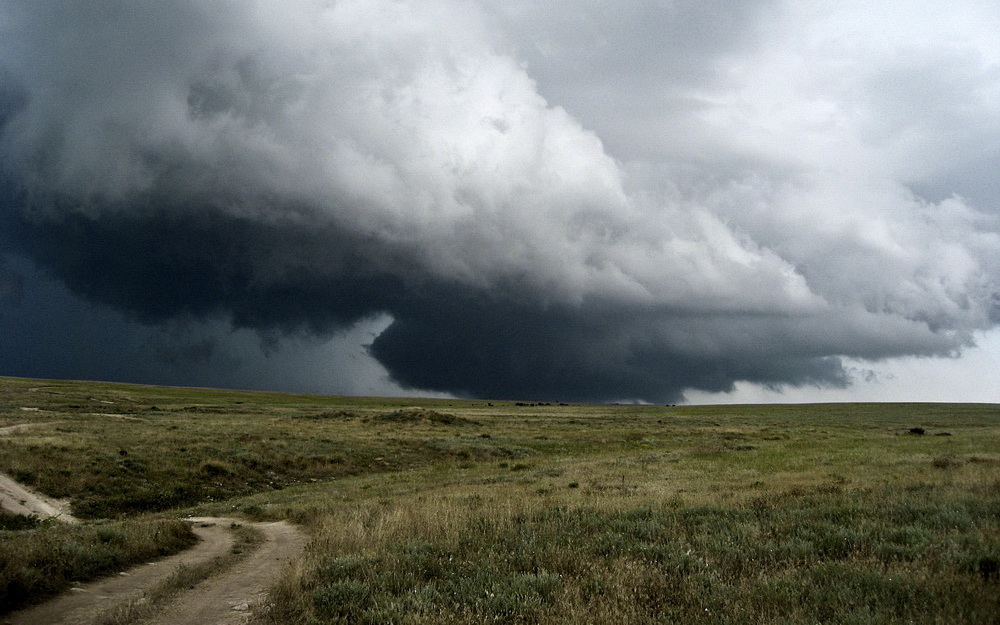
[477, 347]
[200, 263]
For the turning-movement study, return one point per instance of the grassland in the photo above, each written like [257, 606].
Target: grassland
[446, 511]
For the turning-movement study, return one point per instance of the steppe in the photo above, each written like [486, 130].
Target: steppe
[381, 510]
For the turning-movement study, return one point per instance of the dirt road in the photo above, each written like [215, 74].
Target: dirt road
[227, 599]
[222, 600]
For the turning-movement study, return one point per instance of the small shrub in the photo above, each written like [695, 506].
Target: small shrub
[340, 569]
[346, 599]
[216, 468]
[945, 462]
[988, 568]
[24, 476]
[13, 522]
[253, 510]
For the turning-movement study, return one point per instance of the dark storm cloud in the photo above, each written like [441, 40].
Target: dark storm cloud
[160, 263]
[489, 349]
[301, 168]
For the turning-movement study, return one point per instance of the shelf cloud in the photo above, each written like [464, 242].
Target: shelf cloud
[566, 202]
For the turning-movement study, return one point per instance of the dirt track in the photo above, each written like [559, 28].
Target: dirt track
[222, 600]
[227, 599]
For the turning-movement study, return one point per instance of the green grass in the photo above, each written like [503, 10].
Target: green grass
[11, 521]
[447, 511]
[42, 562]
[878, 557]
[124, 450]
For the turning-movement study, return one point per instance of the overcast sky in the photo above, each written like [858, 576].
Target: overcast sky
[689, 200]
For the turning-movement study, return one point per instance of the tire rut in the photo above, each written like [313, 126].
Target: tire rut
[227, 598]
[224, 599]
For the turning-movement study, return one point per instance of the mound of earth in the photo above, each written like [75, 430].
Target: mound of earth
[421, 415]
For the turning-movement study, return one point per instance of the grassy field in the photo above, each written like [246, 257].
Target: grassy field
[447, 511]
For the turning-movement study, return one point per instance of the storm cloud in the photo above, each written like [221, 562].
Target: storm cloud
[563, 202]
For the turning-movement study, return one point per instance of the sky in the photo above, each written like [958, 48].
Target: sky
[676, 201]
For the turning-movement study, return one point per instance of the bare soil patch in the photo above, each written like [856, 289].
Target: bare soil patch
[17, 499]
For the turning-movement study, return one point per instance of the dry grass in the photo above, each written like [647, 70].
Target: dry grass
[444, 511]
[826, 555]
[38, 563]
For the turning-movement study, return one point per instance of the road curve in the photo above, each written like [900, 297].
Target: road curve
[227, 598]
[221, 600]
